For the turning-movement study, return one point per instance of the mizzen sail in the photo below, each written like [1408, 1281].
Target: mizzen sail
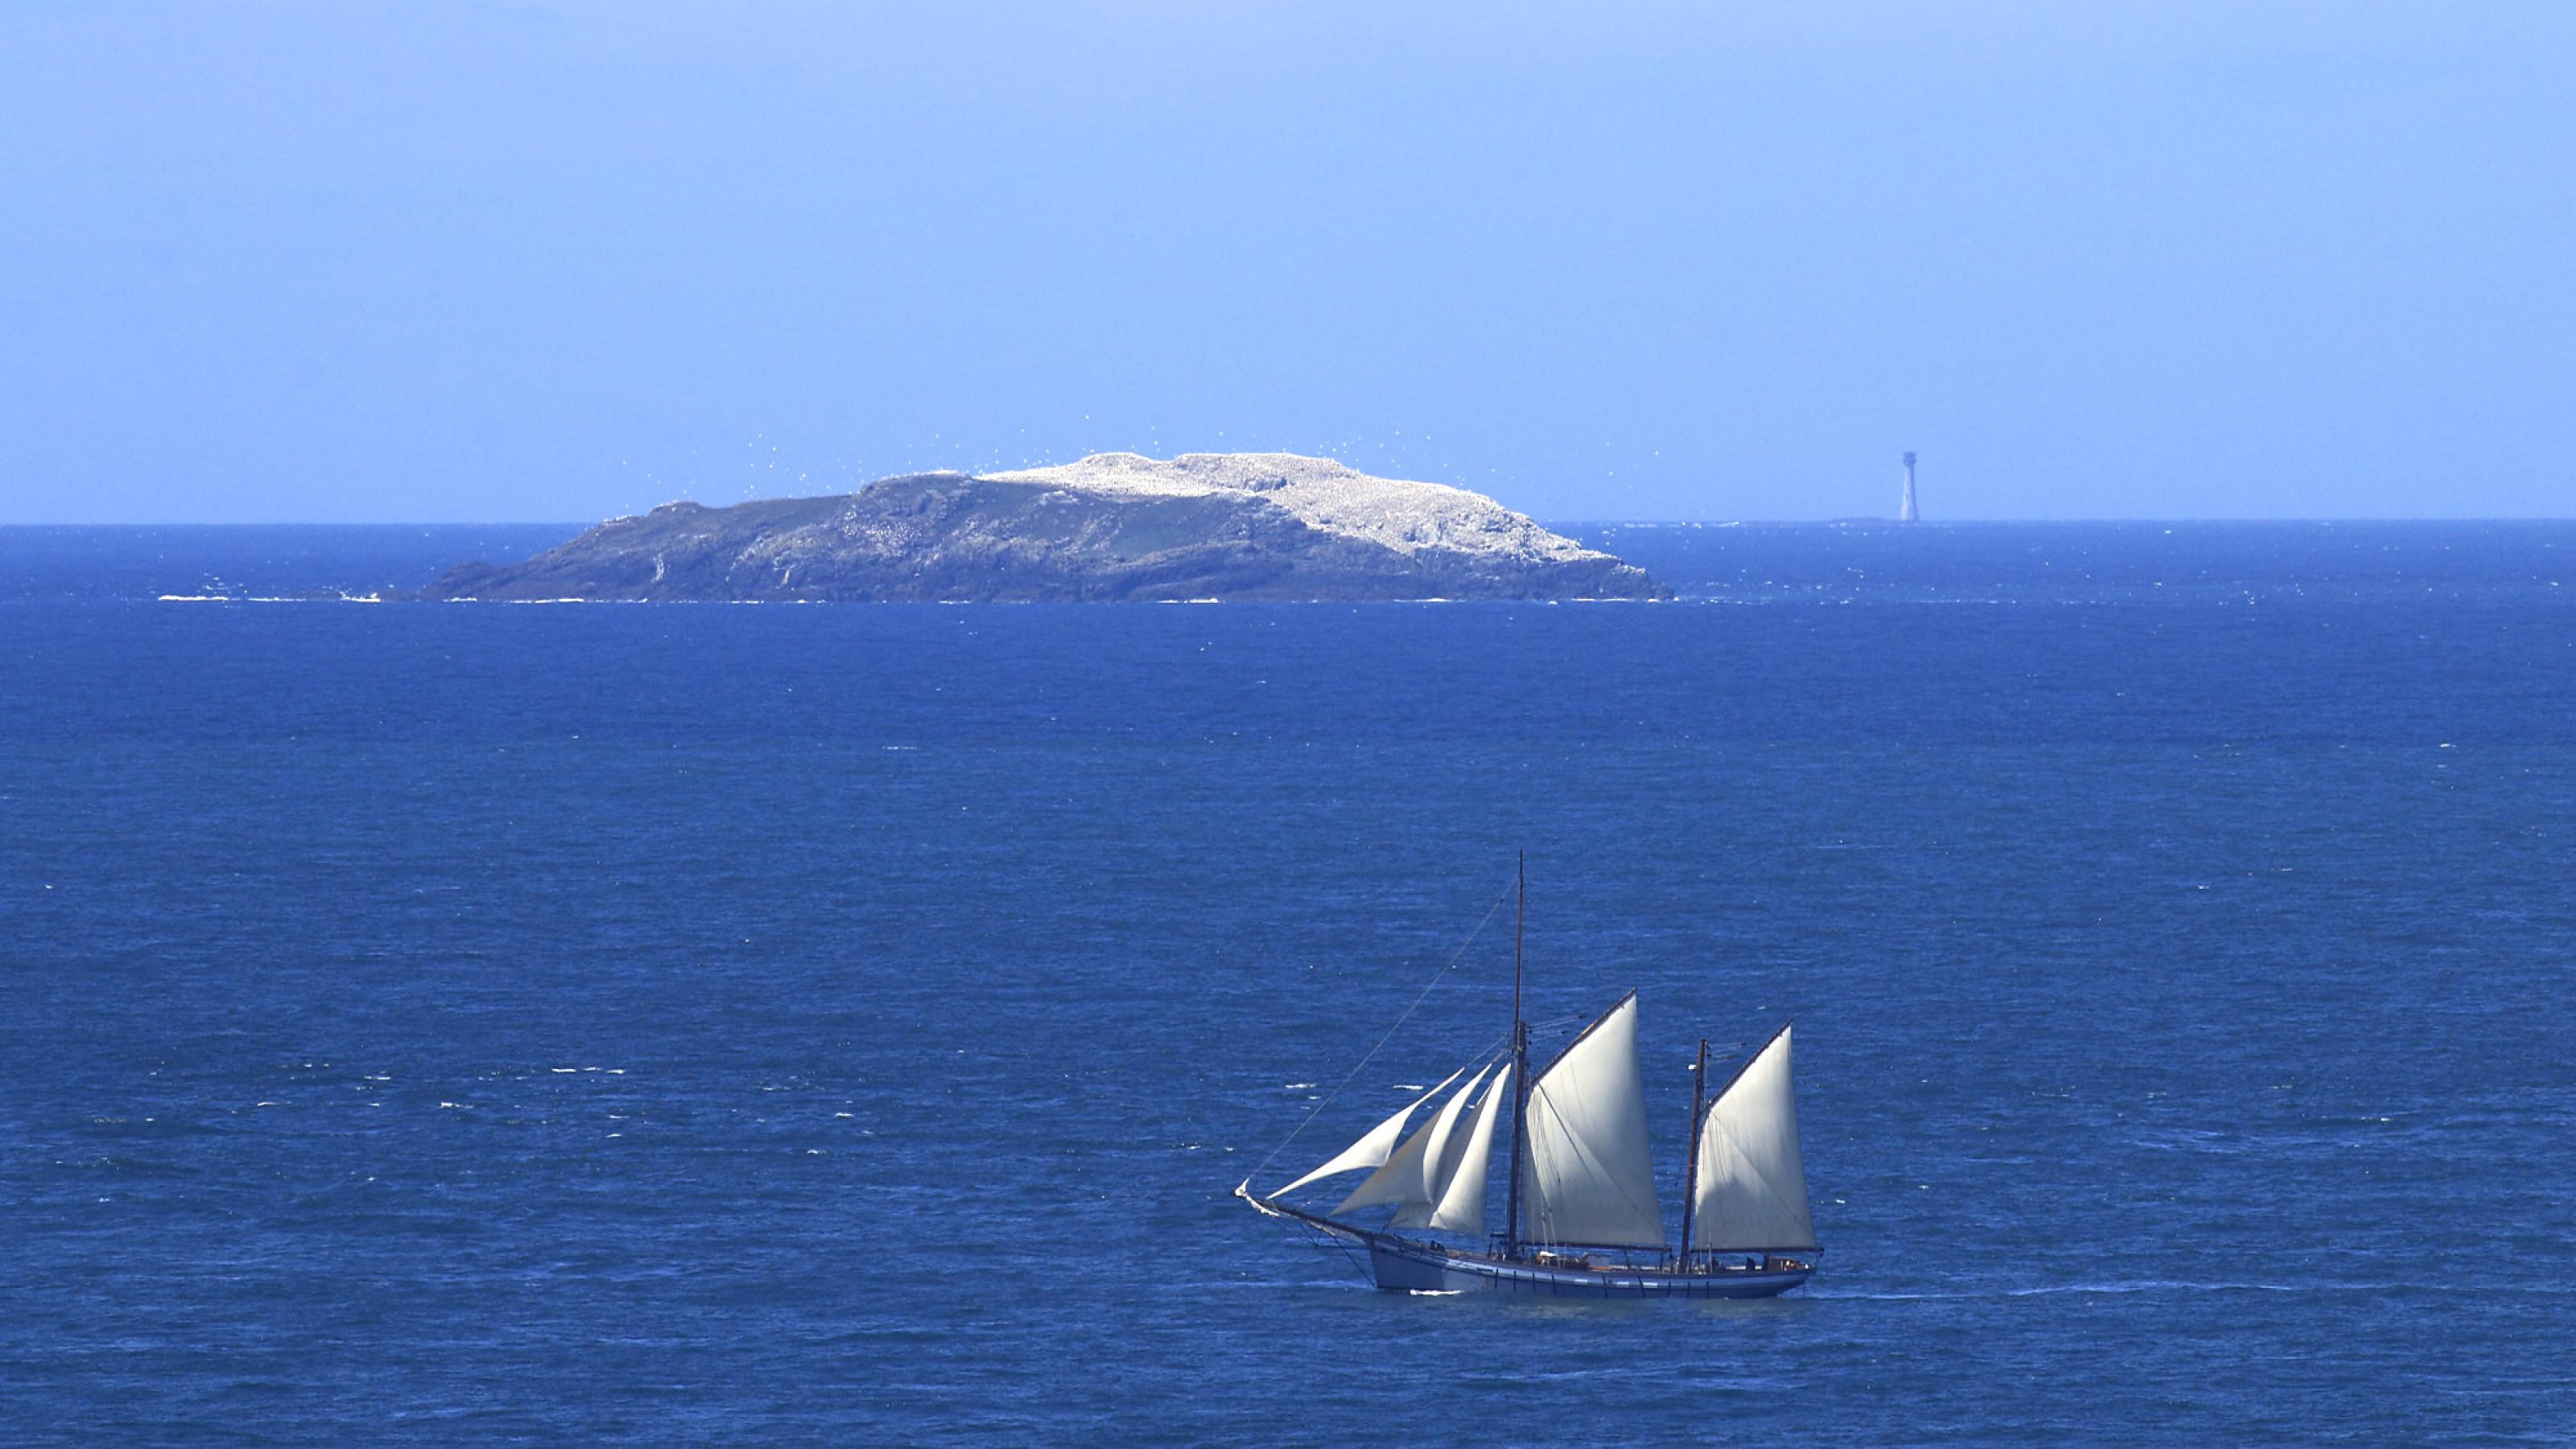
[1588, 1174]
[1752, 1183]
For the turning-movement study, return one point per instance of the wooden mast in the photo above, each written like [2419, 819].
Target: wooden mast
[1520, 1070]
[1690, 1174]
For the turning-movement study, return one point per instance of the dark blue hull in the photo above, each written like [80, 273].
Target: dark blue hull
[1400, 1265]
[1408, 1265]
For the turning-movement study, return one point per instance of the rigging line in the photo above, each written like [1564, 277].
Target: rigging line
[1347, 1255]
[1324, 1239]
[1321, 1239]
[1436, 977]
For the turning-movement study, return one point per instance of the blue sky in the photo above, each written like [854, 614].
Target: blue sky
[541, 261]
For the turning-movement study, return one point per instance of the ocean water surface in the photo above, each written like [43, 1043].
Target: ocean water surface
[464, 1023]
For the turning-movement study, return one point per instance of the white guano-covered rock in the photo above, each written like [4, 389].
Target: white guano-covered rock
[1111, 527]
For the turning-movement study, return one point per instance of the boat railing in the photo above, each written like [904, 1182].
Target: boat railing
[1719, 1260]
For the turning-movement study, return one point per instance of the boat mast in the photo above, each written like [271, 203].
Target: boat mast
[1690, 1174]
[1520, 1070]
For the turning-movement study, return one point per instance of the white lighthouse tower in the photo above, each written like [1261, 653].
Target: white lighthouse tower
[1905, 511]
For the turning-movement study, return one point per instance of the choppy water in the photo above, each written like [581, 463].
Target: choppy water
[444, 1023]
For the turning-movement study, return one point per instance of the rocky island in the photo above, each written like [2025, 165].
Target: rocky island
[1114, 526]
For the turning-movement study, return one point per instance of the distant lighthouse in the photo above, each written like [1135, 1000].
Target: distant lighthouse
[1905, 511]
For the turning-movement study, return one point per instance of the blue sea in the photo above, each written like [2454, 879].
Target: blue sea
[588, 1024]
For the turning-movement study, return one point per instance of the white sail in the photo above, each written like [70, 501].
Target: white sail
[1442, 1148]
[1462, 1203]
[1371, 1150]
[1752, 1184]
[1441, 1154]
[1408, 1180]
[1588, 1176]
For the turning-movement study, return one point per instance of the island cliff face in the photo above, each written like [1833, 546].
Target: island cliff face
[1114, 526]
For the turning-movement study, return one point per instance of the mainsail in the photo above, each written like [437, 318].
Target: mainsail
[1752, 1185]
[1372, 1149]
[1588, 1172]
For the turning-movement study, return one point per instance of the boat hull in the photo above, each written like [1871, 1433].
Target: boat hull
[1408, 1265]
[1401, 1266]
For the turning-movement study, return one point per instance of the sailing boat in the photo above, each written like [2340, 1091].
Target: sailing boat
[1581, 1218]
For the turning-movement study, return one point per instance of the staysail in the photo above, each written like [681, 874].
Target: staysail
[1371, 1150]
[1462, 1206]
[1752, 1184]
[1413, 1178]
[1588, 1175]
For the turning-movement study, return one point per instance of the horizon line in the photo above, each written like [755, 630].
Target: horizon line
[1568, 521]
